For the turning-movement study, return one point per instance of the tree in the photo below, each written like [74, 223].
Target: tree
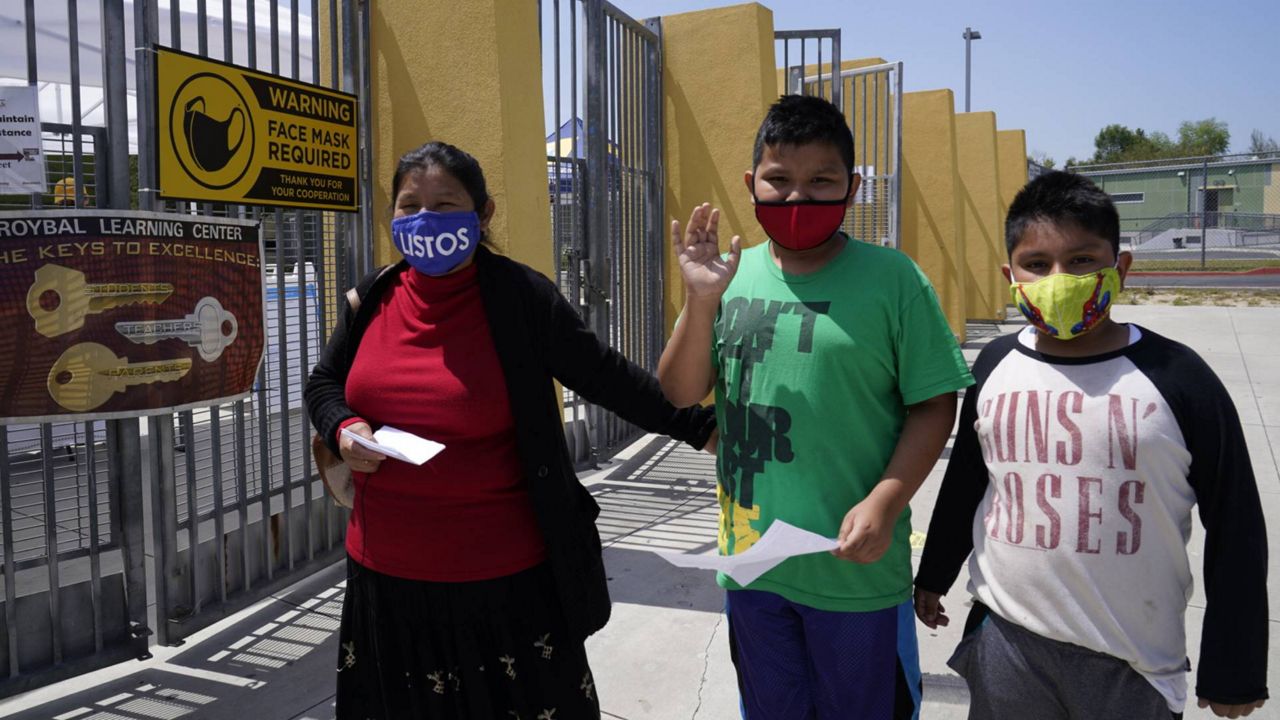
[1041, 158]
[1260, 144]
[1114, 142]
[1203, 137]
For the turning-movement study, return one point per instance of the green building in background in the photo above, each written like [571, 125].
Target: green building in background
[1165, 204]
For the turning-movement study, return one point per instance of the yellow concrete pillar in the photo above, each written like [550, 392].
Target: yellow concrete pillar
[980, 193]
[477, 84]
[718, 81]
[1012, 150]
[932, 222]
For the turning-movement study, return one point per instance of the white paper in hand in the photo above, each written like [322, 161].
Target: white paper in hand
[398, 444]
[781, 541]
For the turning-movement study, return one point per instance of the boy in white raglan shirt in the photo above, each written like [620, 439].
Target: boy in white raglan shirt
[1080, 454]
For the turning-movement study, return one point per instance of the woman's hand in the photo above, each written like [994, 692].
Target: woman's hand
[706, 274]
[358, 457]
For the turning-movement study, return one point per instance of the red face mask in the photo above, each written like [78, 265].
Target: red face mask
[801, 224]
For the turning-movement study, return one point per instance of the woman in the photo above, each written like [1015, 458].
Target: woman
[473, 579]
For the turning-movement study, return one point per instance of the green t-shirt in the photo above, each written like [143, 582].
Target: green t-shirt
[814, 375]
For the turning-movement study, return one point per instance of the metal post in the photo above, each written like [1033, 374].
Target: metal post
[969, 36]
[596, 246]
[164, 521]
[1204, 214]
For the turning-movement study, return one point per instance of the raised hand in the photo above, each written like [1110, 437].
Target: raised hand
[706, 273]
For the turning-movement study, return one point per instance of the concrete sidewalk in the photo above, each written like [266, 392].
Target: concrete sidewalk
[664, 655]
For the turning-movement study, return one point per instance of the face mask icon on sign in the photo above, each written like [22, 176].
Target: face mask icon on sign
[210, 140]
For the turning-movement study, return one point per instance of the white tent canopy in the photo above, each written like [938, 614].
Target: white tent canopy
[53, 49]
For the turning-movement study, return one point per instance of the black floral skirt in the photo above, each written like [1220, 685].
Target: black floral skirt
[487, 650]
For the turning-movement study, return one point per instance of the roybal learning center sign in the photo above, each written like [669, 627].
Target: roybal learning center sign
[114, 314]
[233, 135]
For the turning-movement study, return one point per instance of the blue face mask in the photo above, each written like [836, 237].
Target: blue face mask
[435, 243]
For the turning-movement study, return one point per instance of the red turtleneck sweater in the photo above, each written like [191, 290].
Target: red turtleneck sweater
[427, 365]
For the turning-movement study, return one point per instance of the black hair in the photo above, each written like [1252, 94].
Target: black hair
[1062, 198]
[801, 120]
[456, 162]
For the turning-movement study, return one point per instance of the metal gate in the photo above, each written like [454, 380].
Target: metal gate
[223, 497]
[871, 98]
[604, 171]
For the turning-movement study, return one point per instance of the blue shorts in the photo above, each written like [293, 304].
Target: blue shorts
[795, 662]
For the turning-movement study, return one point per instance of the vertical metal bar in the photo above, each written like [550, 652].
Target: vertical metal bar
[228, 45]
[51, 539]
[786, 66]
[804, 67]
[315, 42]
[556, 195]
[10, 573]
[295, 50]
[304, 335]
[657, 323]
[334, 56]
[1204, 211]
[77, 143]
[631, 270]
[164, 521]
[366, 140]
[95, 562]
[202, 27]
[866, 232]
[115, 97]
[595, 248]
[251, 24]
[33, 77]
[262, 419]
[304, 346]
[242, 490]
[219, 525]
[897, 162]
[274, 8]
[837, 80]
[189, 445]
[616, 228]
[577, 262]
[175, 24]
[146, 32]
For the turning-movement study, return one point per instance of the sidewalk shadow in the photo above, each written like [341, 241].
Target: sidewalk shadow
[661, 499]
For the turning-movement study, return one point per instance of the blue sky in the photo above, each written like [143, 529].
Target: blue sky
[1062, 70]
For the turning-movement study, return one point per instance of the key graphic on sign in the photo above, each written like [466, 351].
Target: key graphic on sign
[209, 329]
[88, 374]
[60, 298]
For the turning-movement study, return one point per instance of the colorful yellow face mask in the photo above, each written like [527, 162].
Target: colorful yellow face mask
[1065, 306]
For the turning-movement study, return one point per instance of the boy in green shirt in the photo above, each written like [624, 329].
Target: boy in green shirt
[835, 376]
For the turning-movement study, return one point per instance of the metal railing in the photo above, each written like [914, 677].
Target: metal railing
[604, 175]
[235, 509]
[871, 99]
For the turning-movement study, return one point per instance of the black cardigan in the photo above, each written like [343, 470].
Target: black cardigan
[538, 336]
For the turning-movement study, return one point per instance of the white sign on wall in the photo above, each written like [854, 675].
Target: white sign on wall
[21, 160]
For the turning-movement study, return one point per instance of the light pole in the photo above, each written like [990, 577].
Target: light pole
[969, 36]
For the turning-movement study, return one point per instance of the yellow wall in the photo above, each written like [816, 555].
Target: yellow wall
[477, 84]
[714, 100]
[932, 225]
[1012, 150]
[980, 198]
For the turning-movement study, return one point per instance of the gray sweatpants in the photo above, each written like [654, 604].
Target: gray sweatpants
[1014, 674]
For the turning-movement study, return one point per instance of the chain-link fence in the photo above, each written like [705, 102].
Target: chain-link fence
[1195, 203]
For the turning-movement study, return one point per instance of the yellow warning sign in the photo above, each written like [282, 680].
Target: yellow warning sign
[233, 135]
